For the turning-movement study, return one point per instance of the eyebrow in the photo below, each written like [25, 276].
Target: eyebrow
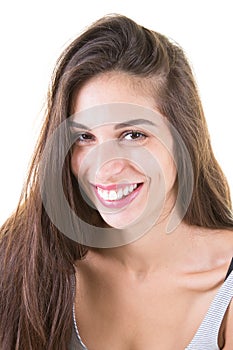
[117, 126]
[78, 125]
[134, 122]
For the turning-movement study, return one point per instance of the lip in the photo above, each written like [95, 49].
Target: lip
[114, 187]
[120, 203]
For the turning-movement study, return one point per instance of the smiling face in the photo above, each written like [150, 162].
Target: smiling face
[122, 156]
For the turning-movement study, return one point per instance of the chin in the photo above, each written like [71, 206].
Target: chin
[120, 220]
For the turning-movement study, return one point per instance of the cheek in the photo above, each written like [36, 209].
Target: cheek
[167, 165]
[76, 160]
[170, 172]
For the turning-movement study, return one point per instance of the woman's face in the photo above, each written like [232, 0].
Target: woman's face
[118, 157]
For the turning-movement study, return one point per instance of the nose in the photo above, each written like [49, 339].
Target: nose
[109, 163]
[109, 171]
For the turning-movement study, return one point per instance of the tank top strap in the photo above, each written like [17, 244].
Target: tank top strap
[74, 344]
[230, 269]
[206, 336]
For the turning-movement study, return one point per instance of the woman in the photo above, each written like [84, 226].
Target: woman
[126, 145]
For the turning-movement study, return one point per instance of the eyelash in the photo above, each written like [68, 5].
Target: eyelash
[140, 137]
[77, 137]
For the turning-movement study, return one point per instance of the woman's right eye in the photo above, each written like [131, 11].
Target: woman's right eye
[82, 138]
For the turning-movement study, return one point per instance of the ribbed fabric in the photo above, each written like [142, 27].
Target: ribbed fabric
[206, 337]
[76, 341]
[80, 344]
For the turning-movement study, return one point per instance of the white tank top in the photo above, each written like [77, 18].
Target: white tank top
[206, 337]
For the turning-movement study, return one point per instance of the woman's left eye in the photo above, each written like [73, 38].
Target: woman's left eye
[134, 136]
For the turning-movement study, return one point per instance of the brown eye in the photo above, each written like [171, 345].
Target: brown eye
[134, 136]
[83, 138]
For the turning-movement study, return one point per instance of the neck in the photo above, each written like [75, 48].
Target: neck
[155, 250]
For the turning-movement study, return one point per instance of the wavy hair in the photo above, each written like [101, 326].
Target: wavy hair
[36, 260]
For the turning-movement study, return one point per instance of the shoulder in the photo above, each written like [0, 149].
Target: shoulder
[213, 246]
[208, 260]
[217, 243]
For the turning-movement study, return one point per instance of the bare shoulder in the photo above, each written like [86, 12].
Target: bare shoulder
[223, 244]
[218, 243]
[208, 258]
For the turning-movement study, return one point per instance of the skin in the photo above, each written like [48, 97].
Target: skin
[154, 292]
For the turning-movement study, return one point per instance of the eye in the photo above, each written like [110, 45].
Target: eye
[133, 135]
[80, 138]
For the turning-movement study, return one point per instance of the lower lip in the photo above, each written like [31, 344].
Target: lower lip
[120, 203]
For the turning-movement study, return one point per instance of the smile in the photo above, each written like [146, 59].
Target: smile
[116, 196]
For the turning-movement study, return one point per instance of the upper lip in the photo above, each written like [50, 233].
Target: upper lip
[115, 187]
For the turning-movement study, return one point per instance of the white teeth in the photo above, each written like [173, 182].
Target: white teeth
[126, 191]
[105, 195]
[131, 188]
[100, 191]
[116, 195]
[112, 195]
[120, 193]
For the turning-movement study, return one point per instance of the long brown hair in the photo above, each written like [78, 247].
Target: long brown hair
[36, 260]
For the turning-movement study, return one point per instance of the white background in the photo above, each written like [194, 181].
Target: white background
[33, 34]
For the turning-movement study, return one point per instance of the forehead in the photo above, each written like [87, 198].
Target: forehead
[114, 87]
[115, 98]
[119, 114]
